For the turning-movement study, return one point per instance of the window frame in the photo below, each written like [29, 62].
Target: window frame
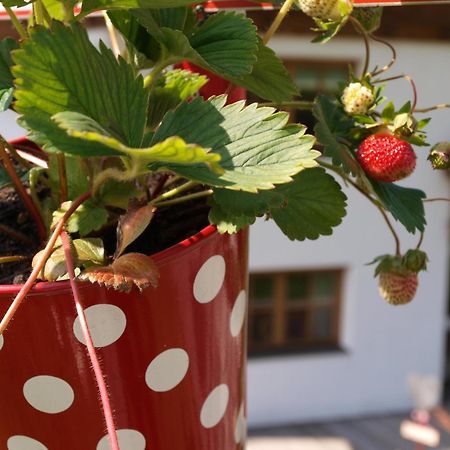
[279, 309]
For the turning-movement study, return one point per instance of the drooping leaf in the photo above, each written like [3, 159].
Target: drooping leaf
[269, 78]
[405, 204]
[313, 204]
[172, 150]
[258, 147]
[234, 210]
[331, 130]
[87, 218]
[172, 88]
[96, 5]
[131, 269]
[132, 224]
[60, 69]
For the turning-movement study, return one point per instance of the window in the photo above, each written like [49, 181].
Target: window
[294, 310]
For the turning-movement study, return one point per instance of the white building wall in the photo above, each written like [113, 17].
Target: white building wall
[381, 344]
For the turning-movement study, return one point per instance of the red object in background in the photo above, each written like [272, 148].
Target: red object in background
[173, 357]
[216, 85]
[235, 4]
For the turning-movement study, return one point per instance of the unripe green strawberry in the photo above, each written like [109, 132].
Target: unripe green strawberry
[440, 156]
[357, 99]
[398, 287]
[384, 157]
[333, 10]
[415, 260]
[369, 18]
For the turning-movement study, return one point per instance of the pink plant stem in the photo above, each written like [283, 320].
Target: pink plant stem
[40, 263]
[99, 377]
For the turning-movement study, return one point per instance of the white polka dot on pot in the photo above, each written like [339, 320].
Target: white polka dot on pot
[48, 394]
[209, 279]
[106, 324]
[128, 440]
[240, 430]
[215, 405]
[20, 442]
[238, 314]
[167, 370]
[2, 341]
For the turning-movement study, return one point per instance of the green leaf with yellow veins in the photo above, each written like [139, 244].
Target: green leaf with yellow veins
[257, 146]
[172, 150]
[87, 218]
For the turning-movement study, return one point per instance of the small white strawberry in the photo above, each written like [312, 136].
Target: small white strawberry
[333, 10]
[357, 99]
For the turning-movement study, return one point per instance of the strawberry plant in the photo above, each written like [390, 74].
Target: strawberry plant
[126, 137]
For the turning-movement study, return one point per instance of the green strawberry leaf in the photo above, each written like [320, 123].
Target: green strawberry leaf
[85, 252]
[143, 49]
[87, 218]
[405, 204]
[258, 147]
[97, 5]
[313, 204]
[7, 45]
[171, 89]
[226, 43]
[234, 210]
[172, 150]
[332, 128]
[269, 78]
[60, 69]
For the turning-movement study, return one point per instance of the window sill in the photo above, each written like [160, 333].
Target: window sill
[282, 352]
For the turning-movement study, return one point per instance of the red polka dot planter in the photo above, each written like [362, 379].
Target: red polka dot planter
[173, 357]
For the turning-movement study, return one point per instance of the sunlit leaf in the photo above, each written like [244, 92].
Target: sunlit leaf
[131, 269]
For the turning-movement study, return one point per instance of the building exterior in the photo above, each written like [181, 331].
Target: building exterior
[372, 347]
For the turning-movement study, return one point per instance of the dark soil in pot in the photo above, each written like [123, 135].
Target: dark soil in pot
[14, 219]
[169, 226]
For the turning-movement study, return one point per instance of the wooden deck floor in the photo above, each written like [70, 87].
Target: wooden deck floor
[372, 433]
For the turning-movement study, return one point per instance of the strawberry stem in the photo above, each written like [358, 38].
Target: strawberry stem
[99, 377]
[20, 189]
[278, 20]
[375, 202]
[358, 27]
[432, 108]
[394, 55]
[40, 263]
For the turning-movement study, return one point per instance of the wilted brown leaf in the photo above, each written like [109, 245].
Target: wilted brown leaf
[127, 270]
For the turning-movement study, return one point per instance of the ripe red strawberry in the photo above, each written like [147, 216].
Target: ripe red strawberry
[398, 287]
[385, 157]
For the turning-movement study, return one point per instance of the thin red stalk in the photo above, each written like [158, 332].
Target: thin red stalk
[40, 263]
[364, 34]
[99, 377]
[394, 55]
[31, 207]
